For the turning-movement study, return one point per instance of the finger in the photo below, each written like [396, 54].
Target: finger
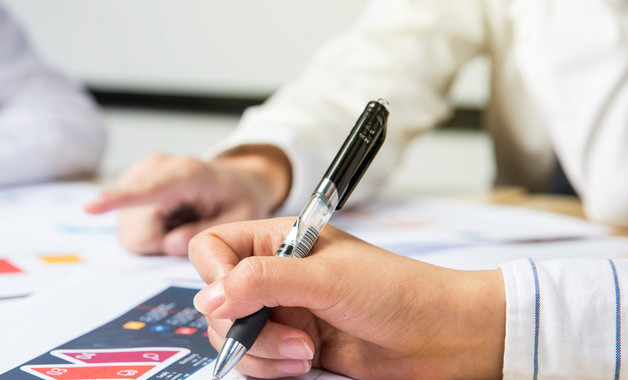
[217, 250]
[156, 190]
[275, 341]
[135, 174]
[256, 282]
[262, 367]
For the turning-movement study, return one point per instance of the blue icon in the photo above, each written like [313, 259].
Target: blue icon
[160, 328]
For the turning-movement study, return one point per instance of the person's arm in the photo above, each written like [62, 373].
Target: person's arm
[565, 318]
[49, 128]
[404, 51]
[581, 78]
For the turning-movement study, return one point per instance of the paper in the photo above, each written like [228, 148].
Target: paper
[47, 235]
[429, 225]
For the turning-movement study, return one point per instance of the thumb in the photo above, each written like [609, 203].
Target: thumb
[270, 281]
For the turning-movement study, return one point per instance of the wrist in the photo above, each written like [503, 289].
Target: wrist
[267, 166]
[481, 296]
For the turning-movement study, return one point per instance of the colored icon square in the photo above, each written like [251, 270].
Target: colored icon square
[160, 328]
[60, 259]
[7, 267]
[133, 325]
[185, 331]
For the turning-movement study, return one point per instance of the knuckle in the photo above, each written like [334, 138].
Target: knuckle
[188, 166]
[252, 271]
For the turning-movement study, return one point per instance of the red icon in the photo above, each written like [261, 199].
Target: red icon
[185, 331]
[7, 267]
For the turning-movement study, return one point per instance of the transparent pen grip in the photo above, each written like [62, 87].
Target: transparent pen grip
[307, 227]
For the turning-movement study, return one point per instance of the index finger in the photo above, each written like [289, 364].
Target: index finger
[217, 250]
[129, 196]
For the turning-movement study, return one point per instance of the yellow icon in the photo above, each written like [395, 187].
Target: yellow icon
[61, 259]
[133, 325]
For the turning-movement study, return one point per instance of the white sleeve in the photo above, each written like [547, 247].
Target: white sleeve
[578, 66]
[48, 127]
[565, 318]
[405, 51]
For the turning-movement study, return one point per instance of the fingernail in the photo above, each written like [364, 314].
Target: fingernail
[296, 348]
[294, 367]
[209, 298]
[174, 245]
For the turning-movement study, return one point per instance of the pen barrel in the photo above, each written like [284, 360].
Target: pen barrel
[246, 330]
[305, 231]
[359, 149]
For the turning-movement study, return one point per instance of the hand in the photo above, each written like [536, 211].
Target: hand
[165, 200]
[350, 307]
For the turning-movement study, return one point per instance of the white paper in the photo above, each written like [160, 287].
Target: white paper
[427, 225]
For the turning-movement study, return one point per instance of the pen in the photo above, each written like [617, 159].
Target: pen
[345, 171]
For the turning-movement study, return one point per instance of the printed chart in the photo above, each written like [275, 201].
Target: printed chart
[162, 338]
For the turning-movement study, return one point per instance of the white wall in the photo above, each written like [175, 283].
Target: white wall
[232, 47]
[224, 46]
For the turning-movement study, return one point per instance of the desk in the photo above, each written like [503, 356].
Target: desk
[560, 204]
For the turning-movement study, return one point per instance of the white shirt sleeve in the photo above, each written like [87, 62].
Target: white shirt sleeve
[49, 128]
[405, 51]
[565, 318]
[576, 63]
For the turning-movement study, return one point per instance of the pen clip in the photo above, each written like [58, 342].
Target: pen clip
[360, 170]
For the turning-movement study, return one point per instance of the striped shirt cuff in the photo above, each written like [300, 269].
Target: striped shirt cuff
[564, 318]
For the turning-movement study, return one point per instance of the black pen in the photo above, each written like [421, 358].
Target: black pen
[345, 171]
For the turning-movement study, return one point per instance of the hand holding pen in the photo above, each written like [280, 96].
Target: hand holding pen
[350, 307]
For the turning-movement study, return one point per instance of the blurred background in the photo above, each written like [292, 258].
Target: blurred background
[175, 76]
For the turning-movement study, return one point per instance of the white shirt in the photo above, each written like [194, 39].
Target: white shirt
[49, 128]
[559, 87]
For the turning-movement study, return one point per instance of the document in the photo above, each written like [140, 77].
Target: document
[108, 326]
